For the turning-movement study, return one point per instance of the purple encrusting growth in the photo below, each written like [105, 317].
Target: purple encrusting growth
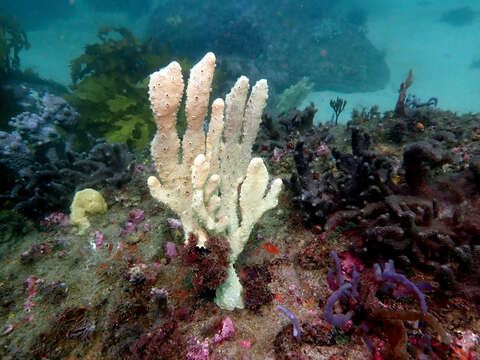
[390, 275]
[38, 128]
[11, 144]
[294, 320]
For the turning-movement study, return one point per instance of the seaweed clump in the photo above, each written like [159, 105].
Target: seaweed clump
[13, 39]
[110, 86]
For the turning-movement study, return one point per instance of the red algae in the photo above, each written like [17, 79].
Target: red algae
[271, 248]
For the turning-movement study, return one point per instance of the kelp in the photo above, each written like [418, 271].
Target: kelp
[12, 40]
[114, 54]
[110, 86]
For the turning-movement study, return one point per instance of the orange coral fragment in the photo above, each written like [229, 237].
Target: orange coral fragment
[271, 248]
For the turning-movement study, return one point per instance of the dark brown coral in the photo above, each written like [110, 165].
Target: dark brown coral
[432, 224]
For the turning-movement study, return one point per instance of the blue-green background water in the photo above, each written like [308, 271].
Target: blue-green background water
[411, 35]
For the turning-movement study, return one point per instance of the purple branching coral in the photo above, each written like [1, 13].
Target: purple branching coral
[365, 312]
[297, 332]
[388, 279]
[342, 291]
[389, 275]
[338, 270]
[338, 320]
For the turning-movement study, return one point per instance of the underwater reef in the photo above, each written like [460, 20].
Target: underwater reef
[365, 246]
[41, 167]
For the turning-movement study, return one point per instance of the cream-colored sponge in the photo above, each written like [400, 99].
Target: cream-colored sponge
[86, 202]
[209, 179]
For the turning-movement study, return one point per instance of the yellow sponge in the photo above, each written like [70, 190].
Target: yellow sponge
[86, 202]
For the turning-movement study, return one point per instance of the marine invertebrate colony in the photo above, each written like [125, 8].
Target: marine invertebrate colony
[53, 114]
[40, 185]
[86, 202]
[217, 173]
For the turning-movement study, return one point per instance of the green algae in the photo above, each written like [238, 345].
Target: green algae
[110, 81]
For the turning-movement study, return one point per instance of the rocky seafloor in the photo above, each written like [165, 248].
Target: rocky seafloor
[372, 253]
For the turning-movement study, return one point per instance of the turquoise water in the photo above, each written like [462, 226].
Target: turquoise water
[410, 34]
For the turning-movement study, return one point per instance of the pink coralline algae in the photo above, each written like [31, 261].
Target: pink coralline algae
[245, 344]
[349, 263]
[139, 169]
[174, 223]
[56, 218]
[197, 350]
[158, 293]
[134, 218]
[129, 228]
[467, 343]
[99, 238]
[200, 350]
[37, 250]
[322, 151]
[171, 250]
[279, 154]
[462, 151]
[146, 226]
[227, 331]
[31, 283]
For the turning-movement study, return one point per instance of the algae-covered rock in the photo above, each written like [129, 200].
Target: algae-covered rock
[12, 226]
[86, 202]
